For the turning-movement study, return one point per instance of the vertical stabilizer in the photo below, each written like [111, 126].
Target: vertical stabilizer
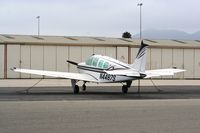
[140, 61]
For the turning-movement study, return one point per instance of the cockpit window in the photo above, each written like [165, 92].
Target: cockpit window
[94, 61]
[97, 62]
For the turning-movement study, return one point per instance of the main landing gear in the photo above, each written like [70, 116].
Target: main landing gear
[125, 87]
[76, 87]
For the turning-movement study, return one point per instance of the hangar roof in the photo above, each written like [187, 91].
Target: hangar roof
[99, 41]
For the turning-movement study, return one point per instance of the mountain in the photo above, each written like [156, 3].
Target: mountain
[196, 35]
[169, 34]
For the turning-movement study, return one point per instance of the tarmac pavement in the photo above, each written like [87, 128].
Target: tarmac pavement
[51, 107]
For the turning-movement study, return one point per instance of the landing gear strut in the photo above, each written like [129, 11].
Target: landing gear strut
[125, 87]
[84, 86]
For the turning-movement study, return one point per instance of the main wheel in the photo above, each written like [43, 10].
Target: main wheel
[76, 89]
[84, 87]
[124, 89]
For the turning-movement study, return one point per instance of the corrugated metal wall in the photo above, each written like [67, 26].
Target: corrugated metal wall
[54, 58]
[197, 63]
[1, 61]
[62, 56]
[37, 59]
[189, 63]
[178, 61]
[25, 59]
[13, 60]
[122, 54]
[167, 60]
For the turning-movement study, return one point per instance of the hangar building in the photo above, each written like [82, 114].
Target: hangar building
[51, 53]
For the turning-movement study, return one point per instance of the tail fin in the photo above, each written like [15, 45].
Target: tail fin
[140, 61]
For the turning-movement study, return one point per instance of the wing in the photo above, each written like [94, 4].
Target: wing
[76, 76]
[126, 72]
[162, 72]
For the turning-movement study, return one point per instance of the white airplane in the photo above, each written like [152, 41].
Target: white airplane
[104, 69]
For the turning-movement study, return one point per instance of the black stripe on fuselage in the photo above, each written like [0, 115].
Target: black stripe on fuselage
[99, 70]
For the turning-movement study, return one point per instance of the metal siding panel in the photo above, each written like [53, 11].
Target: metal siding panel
[62, 57]
[156, 59]
[37, 56]
[134, 52]
[1, 61]
[178, 61]
[49, 59]
[122, 54]
[167, 60]
[111, 52]
[148, 64]
[189, 63]
[25, 59]
[74, 55]
[13, 60]
[86, 52]
[99, 50]
[197, 64]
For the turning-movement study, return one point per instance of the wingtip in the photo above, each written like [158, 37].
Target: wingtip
[13, 68]
[180, 70]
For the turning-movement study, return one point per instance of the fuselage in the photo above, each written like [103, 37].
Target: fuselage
[96, 65]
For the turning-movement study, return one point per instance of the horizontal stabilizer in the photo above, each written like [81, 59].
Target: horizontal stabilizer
[162, 72]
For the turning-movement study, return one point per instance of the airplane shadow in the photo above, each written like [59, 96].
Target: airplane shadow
[99, 93]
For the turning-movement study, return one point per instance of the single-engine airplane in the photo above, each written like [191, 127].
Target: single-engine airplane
[104, 69]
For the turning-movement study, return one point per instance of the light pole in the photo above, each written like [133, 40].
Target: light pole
[140, 5]
[38, 17]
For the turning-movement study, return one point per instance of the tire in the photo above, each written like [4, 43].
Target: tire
[124, 89]
[76, 89]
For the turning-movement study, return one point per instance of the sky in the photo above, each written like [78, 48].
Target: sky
[106, 18]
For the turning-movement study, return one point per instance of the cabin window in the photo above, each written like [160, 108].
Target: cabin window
[100, 64]
[105, 65]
